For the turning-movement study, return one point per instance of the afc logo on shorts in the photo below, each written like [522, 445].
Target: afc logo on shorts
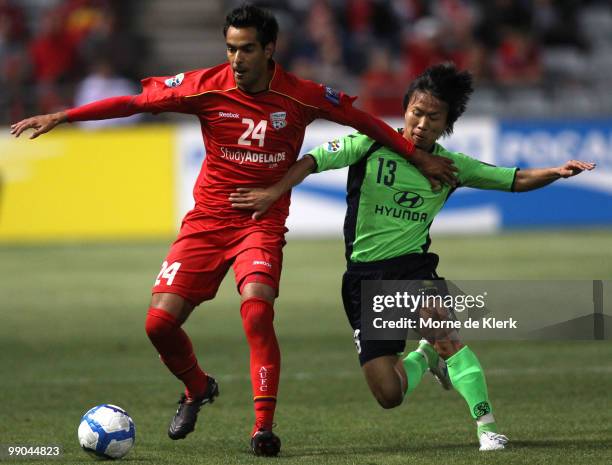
[357, 340]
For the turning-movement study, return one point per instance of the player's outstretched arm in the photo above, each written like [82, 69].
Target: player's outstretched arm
[527, 180]
[114, 107]
[41, 124]
[259, 200]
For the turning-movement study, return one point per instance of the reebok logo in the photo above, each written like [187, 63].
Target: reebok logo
[224, 114]
[261, 262]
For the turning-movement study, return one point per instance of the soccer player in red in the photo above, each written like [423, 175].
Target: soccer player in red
[253, 116]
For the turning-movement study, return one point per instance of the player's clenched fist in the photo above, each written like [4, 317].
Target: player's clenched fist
[41, 124]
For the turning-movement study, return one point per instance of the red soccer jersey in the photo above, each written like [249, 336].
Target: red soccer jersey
[251, 140]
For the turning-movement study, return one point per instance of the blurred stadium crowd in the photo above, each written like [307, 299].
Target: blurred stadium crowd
[60, 53]
[530, 57]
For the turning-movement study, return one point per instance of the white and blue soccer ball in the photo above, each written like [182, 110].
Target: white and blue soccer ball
[107, 431]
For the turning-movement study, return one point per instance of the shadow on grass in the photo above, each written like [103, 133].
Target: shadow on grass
[561, 444]
[344, 450]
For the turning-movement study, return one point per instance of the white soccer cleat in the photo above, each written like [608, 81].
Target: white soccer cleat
[492, 441]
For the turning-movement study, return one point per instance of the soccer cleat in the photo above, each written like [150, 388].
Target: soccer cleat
[437, 365]
[440, 372]
[492, 441]
[265, 443]
[186, 415]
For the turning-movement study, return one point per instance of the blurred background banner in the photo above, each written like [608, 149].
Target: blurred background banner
[77, 185]
[137, 182]
[318, 205]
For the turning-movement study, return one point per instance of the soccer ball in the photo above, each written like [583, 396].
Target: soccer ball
[107, 431]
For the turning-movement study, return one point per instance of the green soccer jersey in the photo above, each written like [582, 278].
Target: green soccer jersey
[390, 204]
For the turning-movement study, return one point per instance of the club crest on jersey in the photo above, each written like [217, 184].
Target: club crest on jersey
[334, 145]
[175, 81]
[278, 119]
[332, 95]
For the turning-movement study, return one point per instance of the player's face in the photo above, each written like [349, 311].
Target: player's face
[249, 60]
[425, 119]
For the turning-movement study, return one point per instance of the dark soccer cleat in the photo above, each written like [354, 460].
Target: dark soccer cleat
[186, 415]
[265, 443]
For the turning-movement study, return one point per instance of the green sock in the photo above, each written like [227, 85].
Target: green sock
[415, 365]
[468, 379]
[430, 353]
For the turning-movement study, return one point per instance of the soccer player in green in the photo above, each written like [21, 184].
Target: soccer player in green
[391, 207]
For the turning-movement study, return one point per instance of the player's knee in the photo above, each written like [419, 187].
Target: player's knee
[447, 349]
[257, 315]
[173, 307]
[159, 323]
[388, 398]
[258, 285]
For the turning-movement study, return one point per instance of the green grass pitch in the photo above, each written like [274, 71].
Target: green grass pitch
[71, 337]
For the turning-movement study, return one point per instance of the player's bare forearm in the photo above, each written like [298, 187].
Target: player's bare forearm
[436, 169]
[41, 124]
[259, 200]
[527, 180]
[114, 107]
[296, 174]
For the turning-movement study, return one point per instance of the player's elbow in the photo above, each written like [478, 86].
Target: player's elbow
[521, 187]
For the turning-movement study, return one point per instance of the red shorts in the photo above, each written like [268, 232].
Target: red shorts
[203, 252]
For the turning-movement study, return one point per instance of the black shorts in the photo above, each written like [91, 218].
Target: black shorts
[406, 267]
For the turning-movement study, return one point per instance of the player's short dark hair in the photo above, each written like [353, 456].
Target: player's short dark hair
[248, 15]
[446, 83]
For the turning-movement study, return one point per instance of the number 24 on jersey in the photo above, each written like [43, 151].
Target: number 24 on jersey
[253, 132]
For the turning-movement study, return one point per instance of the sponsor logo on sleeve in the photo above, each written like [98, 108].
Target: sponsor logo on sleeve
[175, 81]
[278, 119]
[332, 95]
[334, 146]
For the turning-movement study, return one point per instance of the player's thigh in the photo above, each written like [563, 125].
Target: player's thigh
[367, 349]
[193, 270]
